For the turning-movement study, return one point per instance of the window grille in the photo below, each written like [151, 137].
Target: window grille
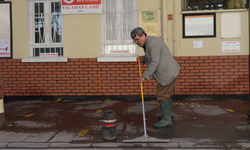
[45, 28]
[192, 5]
[119, 18]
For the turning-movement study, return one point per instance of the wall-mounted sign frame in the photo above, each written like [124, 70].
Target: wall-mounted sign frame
[200, 25]
[5, 30]
[150, 21]
[81, 6]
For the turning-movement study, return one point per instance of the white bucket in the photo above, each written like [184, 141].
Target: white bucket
[1, 106]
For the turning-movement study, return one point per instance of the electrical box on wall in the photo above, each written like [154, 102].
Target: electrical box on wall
[170, 17]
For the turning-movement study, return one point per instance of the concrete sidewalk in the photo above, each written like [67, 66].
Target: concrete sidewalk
[200, 123]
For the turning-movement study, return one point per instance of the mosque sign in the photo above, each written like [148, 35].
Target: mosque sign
[81, 6]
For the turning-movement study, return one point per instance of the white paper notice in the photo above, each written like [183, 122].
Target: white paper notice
[197, 44]
[4, 47]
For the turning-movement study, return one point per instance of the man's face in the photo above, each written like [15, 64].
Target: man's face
[140, 41]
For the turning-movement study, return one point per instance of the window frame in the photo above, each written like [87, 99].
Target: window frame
[47, 22]
[119, 40]
[227, 7]
[10, 32]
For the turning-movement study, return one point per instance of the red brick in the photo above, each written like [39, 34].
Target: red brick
[209, 61]
[177, 58]
[234, 57]
[180, 61]
[199, 61]
[239, 60]
[194, 57]
[185, 58]
[243, 56]
[189, 68]
[218, 61]
[196, 64]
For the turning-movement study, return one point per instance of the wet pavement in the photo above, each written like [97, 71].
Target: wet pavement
[200, 123]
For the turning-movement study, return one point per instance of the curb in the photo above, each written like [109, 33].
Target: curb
[124, 145]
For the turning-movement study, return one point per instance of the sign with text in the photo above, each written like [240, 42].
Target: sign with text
[150, 21]
[4, 47]
[48, 54]
[197, 44]
[119, 52]
[5, 30]
[230, 46]
[81, 6]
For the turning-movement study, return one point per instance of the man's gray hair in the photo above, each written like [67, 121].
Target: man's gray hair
[139, 31]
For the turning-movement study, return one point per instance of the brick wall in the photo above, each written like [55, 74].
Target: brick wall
[205, 75]
[213, 75]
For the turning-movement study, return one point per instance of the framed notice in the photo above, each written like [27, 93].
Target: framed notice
[150, 21]
[5, 30]
[81, 6]
[199, 25]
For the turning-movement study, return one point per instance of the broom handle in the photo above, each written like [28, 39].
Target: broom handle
[144, 122]
[141, 83]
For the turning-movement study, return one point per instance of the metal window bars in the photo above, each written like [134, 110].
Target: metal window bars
[120, 17]
[46, 28]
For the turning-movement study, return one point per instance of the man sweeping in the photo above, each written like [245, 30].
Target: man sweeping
[165, 69]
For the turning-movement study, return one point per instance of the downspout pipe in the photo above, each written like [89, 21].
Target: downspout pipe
[248, 43]
[164, 21]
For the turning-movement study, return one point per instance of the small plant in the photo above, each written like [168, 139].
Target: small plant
[9, 123]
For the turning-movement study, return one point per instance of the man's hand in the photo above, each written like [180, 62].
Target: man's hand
[141, 79]
[141, 58]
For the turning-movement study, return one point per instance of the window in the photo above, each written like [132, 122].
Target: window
[119, 18]
[45, 28]
[192, 5]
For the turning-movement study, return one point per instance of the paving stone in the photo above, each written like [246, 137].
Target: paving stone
[3, 145]
[106, 144]
[199, 149]
[209, 146]
[232, 145]
[28, 145]
[165, 145]
[194, 145]
[63, 137]
[34, 149]
[3, 135]
[13, 137]
[129, 145]
[69, 145]
[187, 145]
[96, 149]
[43, 137]
[245, 145]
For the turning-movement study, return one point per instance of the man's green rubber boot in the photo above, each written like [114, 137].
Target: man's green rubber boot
[166, 114]
[172, 110]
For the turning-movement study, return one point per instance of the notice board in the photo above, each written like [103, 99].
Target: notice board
[150, 21]
[231, 25]
[5, 30]
[199, 25]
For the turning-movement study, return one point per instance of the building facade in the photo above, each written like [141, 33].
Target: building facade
[56, 53]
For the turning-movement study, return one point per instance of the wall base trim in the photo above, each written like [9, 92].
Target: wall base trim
[122, 98]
